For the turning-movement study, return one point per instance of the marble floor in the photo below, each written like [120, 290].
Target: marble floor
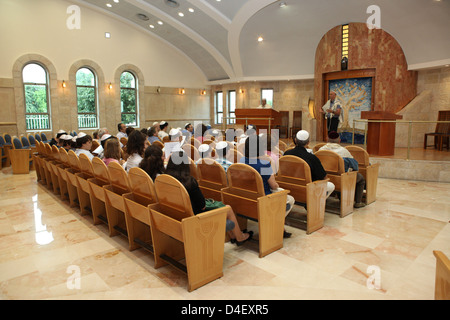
[383, 251]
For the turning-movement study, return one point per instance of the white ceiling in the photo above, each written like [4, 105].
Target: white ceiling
[221, 37]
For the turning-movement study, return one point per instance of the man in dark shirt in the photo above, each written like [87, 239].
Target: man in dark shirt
[317, 171]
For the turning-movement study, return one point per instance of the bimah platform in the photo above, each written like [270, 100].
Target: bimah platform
[264, 119]
[380, 135]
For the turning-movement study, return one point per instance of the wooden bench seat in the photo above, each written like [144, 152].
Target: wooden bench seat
[442, 282]
[345, 182]
[180, 236]
[85, 173]
[245, 194]
[137, 209]
[212, 178]
[97, 193]
[294, 175]
[115, 206]
[72, 184]
[369, 172]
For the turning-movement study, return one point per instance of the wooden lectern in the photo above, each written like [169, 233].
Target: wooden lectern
[261, 118]
[380, 135]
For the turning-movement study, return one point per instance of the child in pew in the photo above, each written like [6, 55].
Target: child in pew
[111, 153]
[135, 149]
[178, 167]
[84, 145]
[153, 162]
[254, 148]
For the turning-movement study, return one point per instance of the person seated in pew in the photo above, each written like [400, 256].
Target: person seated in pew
[205, 151]
[111, 152]
[152, 135]
[255, 146]
[222, 149]
[56, 141]
[84, 145]
[135, 149]
[199, 132]
[301, 140]
[350, 164]
[153, 162]
[67, 142]
[179, 168]
[163, 126]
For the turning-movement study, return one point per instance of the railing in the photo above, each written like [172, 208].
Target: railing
[87, 121]
[224, 121]
[37, 121]
[409, 122]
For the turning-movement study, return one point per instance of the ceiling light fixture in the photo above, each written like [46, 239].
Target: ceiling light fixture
[142, 17]
[260, 39]
[116, 1]
[160, 22]
[109, 5]
[191, 10]
[172, 3]
[282, 4]
[181, 14]
[151, 26]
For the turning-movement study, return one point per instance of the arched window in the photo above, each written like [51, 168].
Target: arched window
[128, 99]
[37, 107]
[86, 98]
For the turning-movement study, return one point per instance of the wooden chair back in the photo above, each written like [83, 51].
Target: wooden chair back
[100, 170]
[158, 143]
[141, 185]
[442, 282]
[234, 156]
[246, 179]
[295, 168]
[191, 151]
[118, 177]
[95, 145]
[195, 142]
[331, 162]
[97, 194]
[63, 156]
[74, 161]
[173, 198]
[318, 146]
[360, 155]
[124, 141]
[211, 178]
[193, 169]
[86, 166]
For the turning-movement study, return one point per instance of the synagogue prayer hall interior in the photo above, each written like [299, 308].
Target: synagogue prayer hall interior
[315, 134]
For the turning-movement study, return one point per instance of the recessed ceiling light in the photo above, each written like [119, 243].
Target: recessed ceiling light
[116, 1]
[151, 26]
[282, 4]
[181, 14]
[107, 35]
[109, 5]
[260, 39]
[160, 22]
[191, 10]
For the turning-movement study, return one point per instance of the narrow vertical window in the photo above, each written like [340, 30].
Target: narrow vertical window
[128, 99]
[345, 41]
[231, 107]
[268, 95]
[86, 98]
[37, 110]
[218, 106]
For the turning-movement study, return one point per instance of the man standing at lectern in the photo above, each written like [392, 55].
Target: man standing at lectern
[333, 113]
[264, 105]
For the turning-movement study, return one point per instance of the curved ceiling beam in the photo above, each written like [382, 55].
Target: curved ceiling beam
[187, 31]
[212, 12]
[234, 32]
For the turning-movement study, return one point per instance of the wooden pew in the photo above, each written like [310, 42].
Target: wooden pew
[46, 165]
[115, 205]
[442, 283]
[63, 180]
[97, 192]
[193, 169]
[294, 175]
[318, 146]
[368, 170]
[212, 178]
[191, 151]
[178, 234]
[137, 212]
[234, 156]
[71, 172]
[245, 194]
[53, 168]
[20, 157]
[85, 173]
[345, 182]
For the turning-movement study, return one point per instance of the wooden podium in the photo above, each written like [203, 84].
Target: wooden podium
[380, 135]
[262, 118]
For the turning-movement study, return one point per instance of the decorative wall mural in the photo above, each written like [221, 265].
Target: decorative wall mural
[355, 95]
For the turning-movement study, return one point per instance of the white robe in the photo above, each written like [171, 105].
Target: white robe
[326, 106]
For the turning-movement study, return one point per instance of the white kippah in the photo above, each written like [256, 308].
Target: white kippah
[203, 147]
[302, 135]
[174, 132]
[162, 123]
[81, 135]
[221, 145]
[104, 137]
[61, 131]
